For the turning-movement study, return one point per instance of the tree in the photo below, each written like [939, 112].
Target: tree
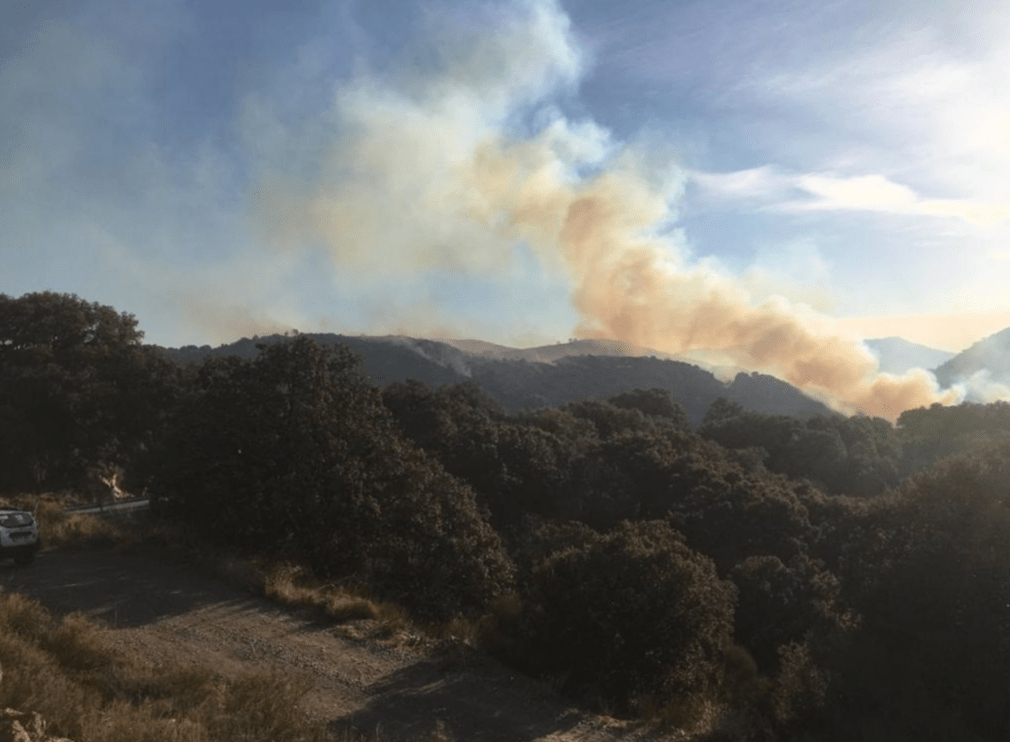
[720, 410]
[858, 456]
[939, 431]
[780, 604]
[929, 574]
[655, 402]
[630, 615]
[296, 454]
[75, 389]
[610, 419]
[516, 469]
[62, 328]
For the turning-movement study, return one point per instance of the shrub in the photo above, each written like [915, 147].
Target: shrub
[294, 454]
[631, 614]
[655, 402]
[779, 604]
[929, 574]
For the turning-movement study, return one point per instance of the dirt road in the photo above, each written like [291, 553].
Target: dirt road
[169, 612]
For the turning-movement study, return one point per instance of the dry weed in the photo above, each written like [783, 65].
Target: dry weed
[294, 586]
[23, 617]
[341, 608]
[439, 733]
[60, 529]
[697, 715]
[68, 671]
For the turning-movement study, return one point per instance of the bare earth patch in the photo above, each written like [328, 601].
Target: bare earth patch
[171, 613]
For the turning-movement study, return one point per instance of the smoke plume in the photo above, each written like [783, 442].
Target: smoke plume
[457, 170]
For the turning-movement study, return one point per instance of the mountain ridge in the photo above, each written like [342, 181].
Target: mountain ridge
[895, 355]
[517, 382]
[989, 356]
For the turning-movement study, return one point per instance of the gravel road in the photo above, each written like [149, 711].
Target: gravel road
[171, 612]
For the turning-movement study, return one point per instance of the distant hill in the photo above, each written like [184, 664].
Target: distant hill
[387, 358]
[552, 353]
[518, 384]
[897, 355]
[547, 376]
[991, 354]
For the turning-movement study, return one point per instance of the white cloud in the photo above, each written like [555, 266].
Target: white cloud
[914, 121]
[765, 183]
[830, 192]
[868, 192]
[880, 194]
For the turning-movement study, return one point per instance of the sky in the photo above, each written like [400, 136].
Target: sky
[769, 180]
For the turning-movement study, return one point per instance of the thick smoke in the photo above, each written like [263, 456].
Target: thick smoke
[456, 170]
[631, 283]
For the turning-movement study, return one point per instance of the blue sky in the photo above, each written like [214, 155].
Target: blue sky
[517, 172]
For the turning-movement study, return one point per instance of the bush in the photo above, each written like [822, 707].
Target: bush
[779, 604]
[293, 454]
[929, 573]
[655, 402]
[630, 615]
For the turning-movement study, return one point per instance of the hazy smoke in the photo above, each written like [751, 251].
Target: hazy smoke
[631, 283]
[982, 387]
[223, 321]
[453, 171]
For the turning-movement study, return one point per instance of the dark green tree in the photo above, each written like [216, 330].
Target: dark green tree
[656, 402]
[295, 453]
[516, 469]
[932, 433]
[928, 571]
[77, 390]
[857, 456]
[610, 419]
[631, 615]
[780, 604]
[720, 410]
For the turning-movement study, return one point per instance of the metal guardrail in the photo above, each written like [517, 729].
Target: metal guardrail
[113, 507]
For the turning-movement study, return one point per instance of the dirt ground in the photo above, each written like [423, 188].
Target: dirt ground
[171, 612]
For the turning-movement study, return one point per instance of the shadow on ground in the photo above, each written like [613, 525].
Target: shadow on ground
[480, 704]
[108, 585]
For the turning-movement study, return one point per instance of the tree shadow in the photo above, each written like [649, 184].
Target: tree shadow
[123, 589]
[483, 703]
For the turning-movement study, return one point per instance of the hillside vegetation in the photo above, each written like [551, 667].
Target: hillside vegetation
[572, 375]
[756, 576]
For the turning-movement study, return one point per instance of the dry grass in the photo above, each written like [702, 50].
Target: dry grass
[697, 715]
[288, 584]
[294, 586]
[438, 733]
[75, 530]
[67, 670]
[60, 529]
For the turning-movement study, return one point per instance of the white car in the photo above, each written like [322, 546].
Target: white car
[19, 536]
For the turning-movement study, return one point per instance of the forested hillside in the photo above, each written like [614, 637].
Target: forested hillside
[521, 383]
[989, 359]
[783, 576]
